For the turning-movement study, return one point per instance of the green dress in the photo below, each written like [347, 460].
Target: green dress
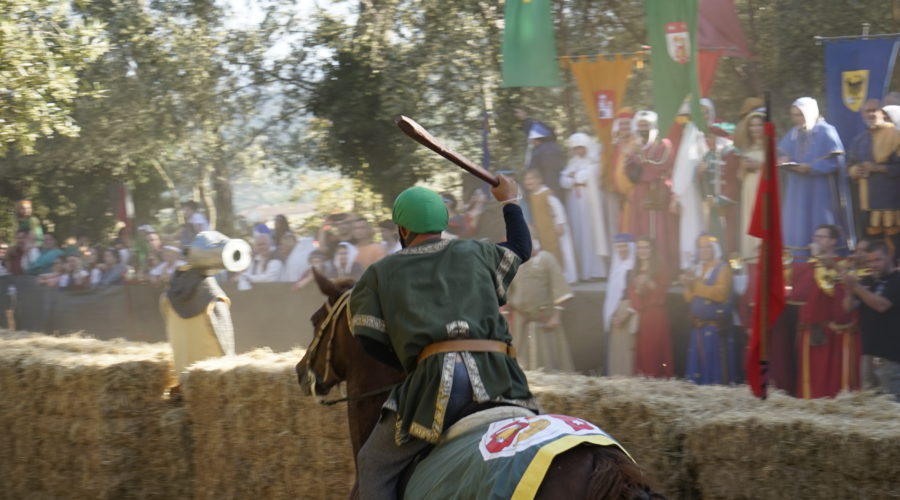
[440, 290]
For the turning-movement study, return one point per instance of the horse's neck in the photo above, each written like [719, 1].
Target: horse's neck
[367, 374]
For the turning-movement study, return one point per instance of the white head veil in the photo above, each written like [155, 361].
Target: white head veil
[717, 253]
[580, 139]
[615, 285]
[810, 109]
[710, 108]
[297, 262]
[893, 113]
[646, 116]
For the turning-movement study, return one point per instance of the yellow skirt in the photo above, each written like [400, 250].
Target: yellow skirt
[192, 339]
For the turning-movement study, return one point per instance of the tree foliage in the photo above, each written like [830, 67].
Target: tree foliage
[186, 102]
[172, 123]
[43, 46]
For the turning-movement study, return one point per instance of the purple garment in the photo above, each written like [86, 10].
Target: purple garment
[809, 200]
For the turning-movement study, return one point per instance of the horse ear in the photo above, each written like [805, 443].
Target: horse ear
[326, 286]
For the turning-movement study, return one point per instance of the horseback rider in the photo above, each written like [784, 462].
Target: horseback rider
[432, 310]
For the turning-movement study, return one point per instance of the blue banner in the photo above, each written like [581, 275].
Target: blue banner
[855, 71]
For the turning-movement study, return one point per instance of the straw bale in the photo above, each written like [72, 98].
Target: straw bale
[83, 417]
[86, 418]
[795, 453]
[255, 434]
[654, 419]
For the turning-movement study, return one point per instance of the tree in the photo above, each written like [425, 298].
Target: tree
[171, 121]
[44, 45]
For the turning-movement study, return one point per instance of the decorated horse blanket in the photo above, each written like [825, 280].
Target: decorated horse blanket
[504, 459]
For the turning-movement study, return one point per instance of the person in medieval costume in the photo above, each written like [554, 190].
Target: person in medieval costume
[433, 310]
[546, 156]
[750, 141]
[648, 286]
[687, 200]
[624, 142]
[875, 169]
[537, 296]
[811, 156]
[620, 320]
[650, 169]
[828, 346]
[718, 182]
[712, 358]
[584, 207]
[196, 311]
[551, 226]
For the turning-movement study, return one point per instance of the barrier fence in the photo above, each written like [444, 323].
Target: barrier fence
[269, 315]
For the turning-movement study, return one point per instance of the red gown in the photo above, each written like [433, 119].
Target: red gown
[827, 344]
[653, 349]
[648, 203]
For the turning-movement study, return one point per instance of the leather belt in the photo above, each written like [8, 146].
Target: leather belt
[468, 345]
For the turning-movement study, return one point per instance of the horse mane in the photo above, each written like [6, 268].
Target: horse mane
[614, 475]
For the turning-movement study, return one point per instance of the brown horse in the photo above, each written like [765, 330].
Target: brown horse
[334, 356]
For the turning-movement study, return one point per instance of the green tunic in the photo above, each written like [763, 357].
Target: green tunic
[434, 291]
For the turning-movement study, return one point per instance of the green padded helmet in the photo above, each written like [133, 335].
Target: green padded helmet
[420, 210]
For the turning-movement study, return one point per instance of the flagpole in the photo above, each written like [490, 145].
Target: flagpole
[764, 259]
[820, 39]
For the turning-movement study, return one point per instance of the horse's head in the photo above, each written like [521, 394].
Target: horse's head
[325, 363]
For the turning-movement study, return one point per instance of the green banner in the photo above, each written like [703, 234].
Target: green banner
[672, 36]
[529, 45]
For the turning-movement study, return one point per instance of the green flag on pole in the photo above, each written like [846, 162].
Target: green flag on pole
[529, 45]
[672, 36]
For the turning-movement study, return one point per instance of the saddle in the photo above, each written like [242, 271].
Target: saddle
[502, 452]
[478, 418]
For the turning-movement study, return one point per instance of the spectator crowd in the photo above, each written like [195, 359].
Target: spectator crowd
[663, 215]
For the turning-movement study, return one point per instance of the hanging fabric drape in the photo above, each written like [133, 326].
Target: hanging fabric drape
[601, 83]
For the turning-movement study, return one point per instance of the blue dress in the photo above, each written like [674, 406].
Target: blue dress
[712, 356]
[809, 200]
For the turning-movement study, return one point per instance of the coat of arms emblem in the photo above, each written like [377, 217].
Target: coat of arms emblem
[854, 88]
[678, 42]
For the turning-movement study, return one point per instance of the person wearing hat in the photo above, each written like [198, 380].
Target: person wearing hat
[649, 167]
[547, 157]
[411, 310]
[874, 167]
[624, 143]
[196, 311]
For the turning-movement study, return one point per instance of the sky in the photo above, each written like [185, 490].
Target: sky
[254, 192]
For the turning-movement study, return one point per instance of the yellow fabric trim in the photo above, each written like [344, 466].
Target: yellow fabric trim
[592, 75]
[534, 475]
[806, 390]
[563, 298]
[885, 141]
[864, 194]
[845, 363]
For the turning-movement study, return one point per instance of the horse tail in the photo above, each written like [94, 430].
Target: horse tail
[615, 476]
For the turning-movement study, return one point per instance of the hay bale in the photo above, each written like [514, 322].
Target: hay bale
[256, 435]
[649, 417]
[848, 447]
[84, 418]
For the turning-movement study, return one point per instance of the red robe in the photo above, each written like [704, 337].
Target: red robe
[648, 204]
[828, 348]
[782, 345]
[653, 347]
